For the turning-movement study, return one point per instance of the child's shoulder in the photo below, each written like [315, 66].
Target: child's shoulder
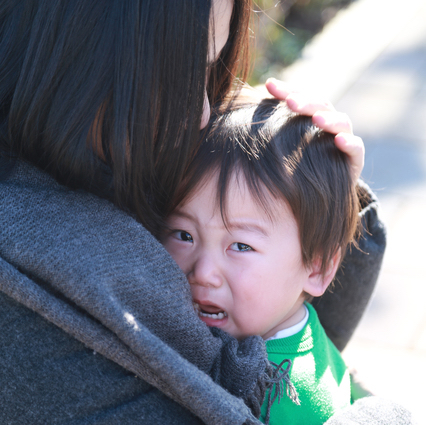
[317, 372]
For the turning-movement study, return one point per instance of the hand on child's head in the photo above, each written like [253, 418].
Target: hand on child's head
[325, 117]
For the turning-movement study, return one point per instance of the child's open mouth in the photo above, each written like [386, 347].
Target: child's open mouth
[209, 311]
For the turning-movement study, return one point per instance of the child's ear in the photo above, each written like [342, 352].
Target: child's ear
[317, 282]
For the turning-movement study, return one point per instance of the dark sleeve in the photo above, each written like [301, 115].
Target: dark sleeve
[91, 271]
[340, 309]
[48, 377]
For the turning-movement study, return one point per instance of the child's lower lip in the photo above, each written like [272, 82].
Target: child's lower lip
[215, 318]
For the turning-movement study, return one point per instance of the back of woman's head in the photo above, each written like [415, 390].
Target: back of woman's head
[282, 156]
[121, 82]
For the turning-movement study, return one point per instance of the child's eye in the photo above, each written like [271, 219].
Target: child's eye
[184, 236]
[241, 247]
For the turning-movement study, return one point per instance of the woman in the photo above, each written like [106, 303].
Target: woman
[101, 106]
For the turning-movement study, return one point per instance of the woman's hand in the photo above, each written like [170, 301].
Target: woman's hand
[324, 116]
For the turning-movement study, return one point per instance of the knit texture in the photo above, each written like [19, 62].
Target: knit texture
[97, 321]
[373, 411]
[97, 274]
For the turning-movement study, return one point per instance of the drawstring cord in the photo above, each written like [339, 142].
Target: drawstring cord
[279, 378]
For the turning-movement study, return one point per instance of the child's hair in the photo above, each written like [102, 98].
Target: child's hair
[272, 148]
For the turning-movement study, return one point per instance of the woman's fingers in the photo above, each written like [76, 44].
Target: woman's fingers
[307, 105]
[278, 88]
[353, 146]
[339, 123]
[332, 121]
[324, 116]
[298, 102]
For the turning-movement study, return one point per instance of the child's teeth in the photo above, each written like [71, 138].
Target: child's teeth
[214, 316]
[219, 316]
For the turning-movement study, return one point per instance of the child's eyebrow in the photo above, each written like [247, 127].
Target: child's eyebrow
[183, 214]
[250, 227]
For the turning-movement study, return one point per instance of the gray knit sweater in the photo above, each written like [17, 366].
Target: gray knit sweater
[97, 323]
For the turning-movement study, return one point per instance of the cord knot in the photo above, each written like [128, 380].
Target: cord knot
[279, 377]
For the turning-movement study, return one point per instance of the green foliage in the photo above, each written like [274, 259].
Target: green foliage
[282, 29]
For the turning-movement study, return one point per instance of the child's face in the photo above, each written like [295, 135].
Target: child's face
[247, 279]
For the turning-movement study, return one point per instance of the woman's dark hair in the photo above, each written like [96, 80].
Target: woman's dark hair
[123, 77]
[281, 156]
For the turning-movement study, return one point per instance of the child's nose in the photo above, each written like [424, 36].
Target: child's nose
[205, 272]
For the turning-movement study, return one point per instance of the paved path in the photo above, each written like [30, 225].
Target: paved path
[371, 61]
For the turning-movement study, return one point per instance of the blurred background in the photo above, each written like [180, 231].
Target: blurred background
[369, 58]
[283, 28]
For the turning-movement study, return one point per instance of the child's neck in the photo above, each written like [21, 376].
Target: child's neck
[299, 315]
